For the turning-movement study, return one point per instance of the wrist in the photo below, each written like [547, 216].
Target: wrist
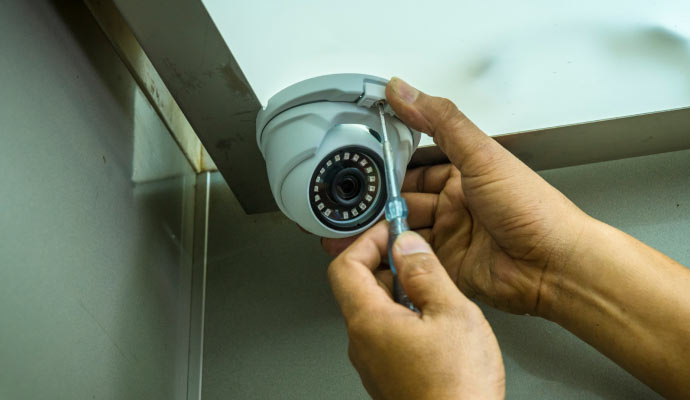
[567, 272]
[620, 296]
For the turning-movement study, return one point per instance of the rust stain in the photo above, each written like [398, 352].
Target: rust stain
[187, 82]
[229, 143]
[234, 79]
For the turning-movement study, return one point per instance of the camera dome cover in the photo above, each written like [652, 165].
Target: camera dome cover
[304, 122]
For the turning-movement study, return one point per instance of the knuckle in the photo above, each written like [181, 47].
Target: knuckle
[450, 117]
[357, 328]
[333, 269]
[346, 260]
[471, 314]
[420, 268]
[422, 264]
[447, 107]
[341, 261]
[360, 326]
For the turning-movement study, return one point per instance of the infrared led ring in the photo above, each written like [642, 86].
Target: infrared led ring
[347, 189]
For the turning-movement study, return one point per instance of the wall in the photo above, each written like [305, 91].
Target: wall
[274, 331]
[96, 212]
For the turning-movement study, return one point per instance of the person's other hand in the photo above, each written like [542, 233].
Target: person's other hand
[500, 230]
[447, 351]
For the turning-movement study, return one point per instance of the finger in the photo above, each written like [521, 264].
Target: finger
[468, 148]
[426, 233]
[333, 247]
[503, 188]
[428, 179]
[424, 279]
[385, 280]
[350, 274]
[421, 209]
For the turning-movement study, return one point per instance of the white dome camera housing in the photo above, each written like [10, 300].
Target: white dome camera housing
[321, 142]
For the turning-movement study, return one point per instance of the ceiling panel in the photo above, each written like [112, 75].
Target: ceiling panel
[530, 73]
[510, 66]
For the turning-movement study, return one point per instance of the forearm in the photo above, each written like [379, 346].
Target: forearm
[630, 302]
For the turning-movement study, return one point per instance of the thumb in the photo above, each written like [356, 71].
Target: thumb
[424, 279]
[467, 147]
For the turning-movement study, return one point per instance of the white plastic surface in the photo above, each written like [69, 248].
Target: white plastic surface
[334, 87]
[510, 66]
[373, 92]
[297, 140]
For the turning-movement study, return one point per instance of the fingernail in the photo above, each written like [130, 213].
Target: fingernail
[411, 243]
[406, 92]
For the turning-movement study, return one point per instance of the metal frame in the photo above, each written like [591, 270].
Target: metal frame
[151, 84]
[195, 232]
[589, 142]
[194, 62]
[204, 78]
[198, 285]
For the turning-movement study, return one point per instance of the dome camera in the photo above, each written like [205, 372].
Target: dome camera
[321, 142]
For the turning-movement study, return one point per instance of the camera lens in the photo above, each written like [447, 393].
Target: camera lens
[347, 190]
[348, 186]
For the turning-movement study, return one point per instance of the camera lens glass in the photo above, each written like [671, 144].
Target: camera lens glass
[348, 186]
[347, 190]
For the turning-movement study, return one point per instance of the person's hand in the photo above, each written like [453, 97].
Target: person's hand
[500, 230]
[509, 238]
[447, 351]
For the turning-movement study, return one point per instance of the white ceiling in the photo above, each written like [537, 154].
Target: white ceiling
[509, 65]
